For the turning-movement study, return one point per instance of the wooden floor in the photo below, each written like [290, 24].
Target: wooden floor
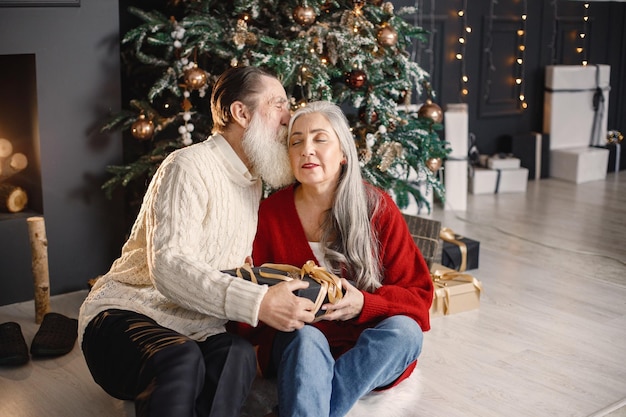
[549, 338]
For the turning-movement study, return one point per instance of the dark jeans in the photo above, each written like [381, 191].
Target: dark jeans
[167, 374]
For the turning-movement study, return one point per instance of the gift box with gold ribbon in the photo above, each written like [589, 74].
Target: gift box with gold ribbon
[458, 252]
[455, 291]
[324, 287]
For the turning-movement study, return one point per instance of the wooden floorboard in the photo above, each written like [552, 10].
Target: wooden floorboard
[549, 338]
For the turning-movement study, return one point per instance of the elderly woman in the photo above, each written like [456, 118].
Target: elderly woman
[372, 337]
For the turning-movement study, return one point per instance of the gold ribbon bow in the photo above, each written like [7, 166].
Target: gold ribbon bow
[448, 235]
[441, 279]
[330, 284]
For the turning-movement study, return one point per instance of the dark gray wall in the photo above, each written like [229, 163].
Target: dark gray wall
[550, 39]
[77, 83]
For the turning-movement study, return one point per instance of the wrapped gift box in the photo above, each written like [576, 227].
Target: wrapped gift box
[499, 161]
[455, 292]
[323, 286]
[455, 183]
[425, 234]
[425, 189]
[569, 112]
[482, 181]
[456, 129]
[533, 150]
[493, 181]
[458, 252]
[579, 165]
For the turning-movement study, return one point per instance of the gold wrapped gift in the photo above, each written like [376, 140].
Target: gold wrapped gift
[455, 292]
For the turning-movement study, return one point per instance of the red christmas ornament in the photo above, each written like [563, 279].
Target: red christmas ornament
[356, 79]
[373, 117]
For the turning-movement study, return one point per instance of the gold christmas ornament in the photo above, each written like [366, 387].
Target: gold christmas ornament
[387, 36]
[433, 164]
[195, 78]
[304, 15]
[614, 136]
[142, 129]
[356, 79]
[430, 110]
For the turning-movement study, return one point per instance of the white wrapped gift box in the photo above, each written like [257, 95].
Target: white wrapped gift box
[493, 181]
[456, 125]
[498, 161]
[455, 183]
[579, 165]
[568, 105]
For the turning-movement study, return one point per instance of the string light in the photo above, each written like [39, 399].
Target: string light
[460, 55]
[521, 51]
[583, 35]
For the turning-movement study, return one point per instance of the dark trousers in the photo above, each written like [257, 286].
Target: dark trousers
[167, 374]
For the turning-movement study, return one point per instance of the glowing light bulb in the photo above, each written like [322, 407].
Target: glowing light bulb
[459, 56]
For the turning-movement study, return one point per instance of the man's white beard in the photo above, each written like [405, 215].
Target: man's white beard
[267, 151]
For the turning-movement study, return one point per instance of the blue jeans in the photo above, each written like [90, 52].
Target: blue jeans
[311, 383]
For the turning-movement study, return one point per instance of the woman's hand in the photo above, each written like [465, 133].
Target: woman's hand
[348, 307]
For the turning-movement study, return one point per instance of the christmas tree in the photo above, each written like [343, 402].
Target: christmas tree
[352, 52]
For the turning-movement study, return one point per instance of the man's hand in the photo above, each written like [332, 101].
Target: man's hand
[283, 310]
[348, 307]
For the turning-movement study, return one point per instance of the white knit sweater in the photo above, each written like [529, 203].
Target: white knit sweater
[198, 217]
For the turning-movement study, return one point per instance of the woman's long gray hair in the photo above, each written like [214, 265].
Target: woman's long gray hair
[347, 236]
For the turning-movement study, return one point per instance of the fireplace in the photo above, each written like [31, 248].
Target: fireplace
[59, 80]
[20, 169]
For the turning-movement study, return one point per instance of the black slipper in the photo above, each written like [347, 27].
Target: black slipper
[13, 349]
[56, 336]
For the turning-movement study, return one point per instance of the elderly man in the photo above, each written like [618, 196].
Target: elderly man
[152, 328]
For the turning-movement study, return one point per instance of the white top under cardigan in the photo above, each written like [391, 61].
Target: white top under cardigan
[199, 216]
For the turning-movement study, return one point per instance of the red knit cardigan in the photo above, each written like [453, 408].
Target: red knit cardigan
[407, 286]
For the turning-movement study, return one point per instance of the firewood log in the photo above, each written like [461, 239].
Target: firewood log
[13, 199]
[39, 255]
[12, 164]
[6, 148]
